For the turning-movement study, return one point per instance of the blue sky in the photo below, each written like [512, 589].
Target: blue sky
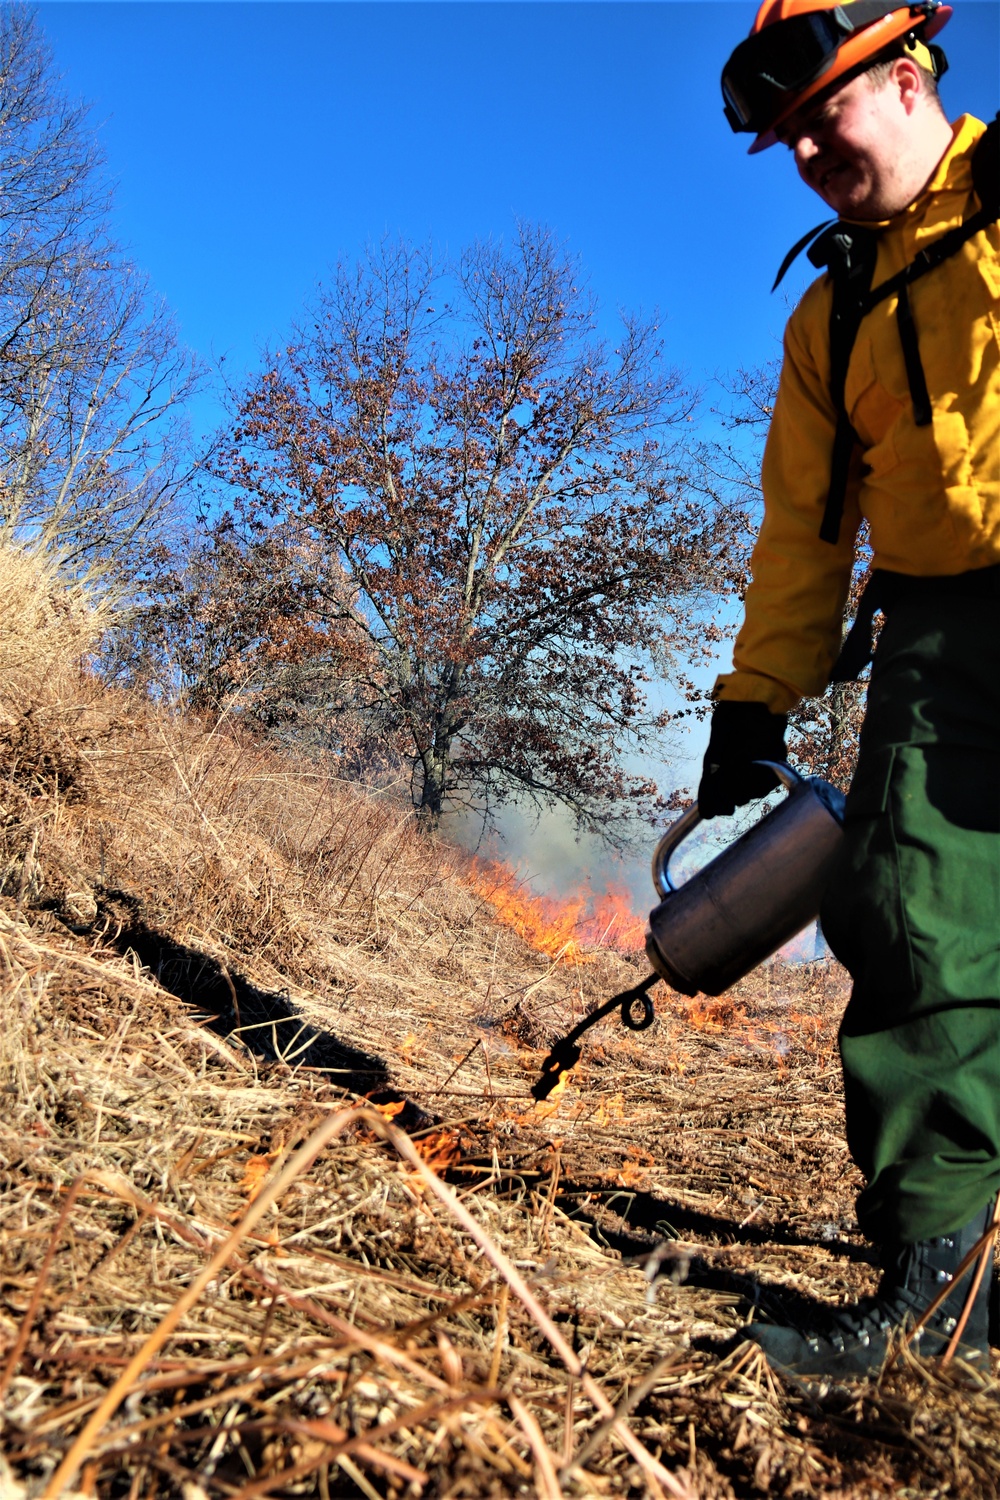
[254, 145]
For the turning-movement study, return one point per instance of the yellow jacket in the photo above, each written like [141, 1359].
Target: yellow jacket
[931, 495]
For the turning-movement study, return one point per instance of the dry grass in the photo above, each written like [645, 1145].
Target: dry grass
[226, 1272]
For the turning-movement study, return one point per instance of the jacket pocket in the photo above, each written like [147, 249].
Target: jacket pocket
[875, 403]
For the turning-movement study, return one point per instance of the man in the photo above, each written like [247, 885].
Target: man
[888, 411]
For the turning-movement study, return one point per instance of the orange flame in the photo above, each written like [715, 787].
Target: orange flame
[612, 1112]
[812, 1033]
[717, 1015]
[563, 929]
[612, 923]
[441, 1149]
[409, 1047]
[635, 1168]
[391, 1109]
[544, 1110]
[256, 1170]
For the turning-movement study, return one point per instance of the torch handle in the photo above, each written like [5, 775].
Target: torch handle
[688, 821]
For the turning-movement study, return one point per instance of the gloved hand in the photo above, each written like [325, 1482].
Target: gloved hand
[741, 734]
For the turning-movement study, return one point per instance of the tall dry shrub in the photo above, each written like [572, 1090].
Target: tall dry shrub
[47, 628]
[216, 832]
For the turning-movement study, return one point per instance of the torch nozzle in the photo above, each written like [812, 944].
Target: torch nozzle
[566, 1053]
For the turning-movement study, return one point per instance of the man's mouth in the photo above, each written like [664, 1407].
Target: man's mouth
[829, 173]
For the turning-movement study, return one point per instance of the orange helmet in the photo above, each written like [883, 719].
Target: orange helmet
[798, 47]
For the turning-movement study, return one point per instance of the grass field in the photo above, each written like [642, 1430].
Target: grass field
[278, 1214]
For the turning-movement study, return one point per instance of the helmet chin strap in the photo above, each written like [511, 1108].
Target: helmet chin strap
[926, 55]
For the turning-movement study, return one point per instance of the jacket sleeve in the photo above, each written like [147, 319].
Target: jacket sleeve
[792, 629]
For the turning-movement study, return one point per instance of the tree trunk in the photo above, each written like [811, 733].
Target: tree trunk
[432, 793]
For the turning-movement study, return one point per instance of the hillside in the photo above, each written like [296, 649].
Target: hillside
[278, 1213]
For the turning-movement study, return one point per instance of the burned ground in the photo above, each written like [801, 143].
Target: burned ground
[227, 1273]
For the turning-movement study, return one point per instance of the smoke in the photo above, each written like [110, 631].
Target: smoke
[554, 859]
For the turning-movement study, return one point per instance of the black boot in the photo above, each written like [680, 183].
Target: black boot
[851, 1342]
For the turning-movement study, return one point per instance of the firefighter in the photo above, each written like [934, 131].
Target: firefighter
[888, 412]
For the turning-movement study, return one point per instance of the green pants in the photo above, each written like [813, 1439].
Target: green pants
[913, 912]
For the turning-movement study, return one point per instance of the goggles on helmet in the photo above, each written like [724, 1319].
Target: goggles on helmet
[774, 64]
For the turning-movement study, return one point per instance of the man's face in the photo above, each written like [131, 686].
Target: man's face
[848, 146]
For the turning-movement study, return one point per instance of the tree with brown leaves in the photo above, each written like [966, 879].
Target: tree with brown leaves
[493, 501]
[229, 624]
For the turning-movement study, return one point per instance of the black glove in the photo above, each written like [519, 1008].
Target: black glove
[741, 734]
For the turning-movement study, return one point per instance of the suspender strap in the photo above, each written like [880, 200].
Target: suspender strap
[856, 652]
[927, 260]
[798, 247]
[845, 440]
[986, 181]
[850, 252]
[915, 377]
[930, 258]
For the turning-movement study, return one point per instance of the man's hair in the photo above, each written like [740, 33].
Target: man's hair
[878, 73]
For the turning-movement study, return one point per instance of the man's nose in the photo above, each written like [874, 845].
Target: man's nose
[805, 148]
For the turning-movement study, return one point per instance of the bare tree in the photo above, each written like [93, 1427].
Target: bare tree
[495, 487]
[92, 379]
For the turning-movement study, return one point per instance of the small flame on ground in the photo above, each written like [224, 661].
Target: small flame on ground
[409, 1046]
[441, 1149]
[780, 1032]
[713, 1015]
[564, 929]
[256, 1170]
[550, 1106]
[612, 1112]
[635, 1169]
[390, 1110]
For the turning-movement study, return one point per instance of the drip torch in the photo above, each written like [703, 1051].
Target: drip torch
[734, 913]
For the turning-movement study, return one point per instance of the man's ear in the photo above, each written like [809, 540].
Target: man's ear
[906, 79]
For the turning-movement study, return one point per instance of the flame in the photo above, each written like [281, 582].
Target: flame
[390, 1110]
[256, 1170]
[612, 923]
[612, 1111]
[545, 1109]
[409, 1046]
[810, 1032]
[562, 1085]
[576, 1108]
[565, 928]
[635, 1168]
[255, 1174]
[440, 1150]
[722, 1014]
